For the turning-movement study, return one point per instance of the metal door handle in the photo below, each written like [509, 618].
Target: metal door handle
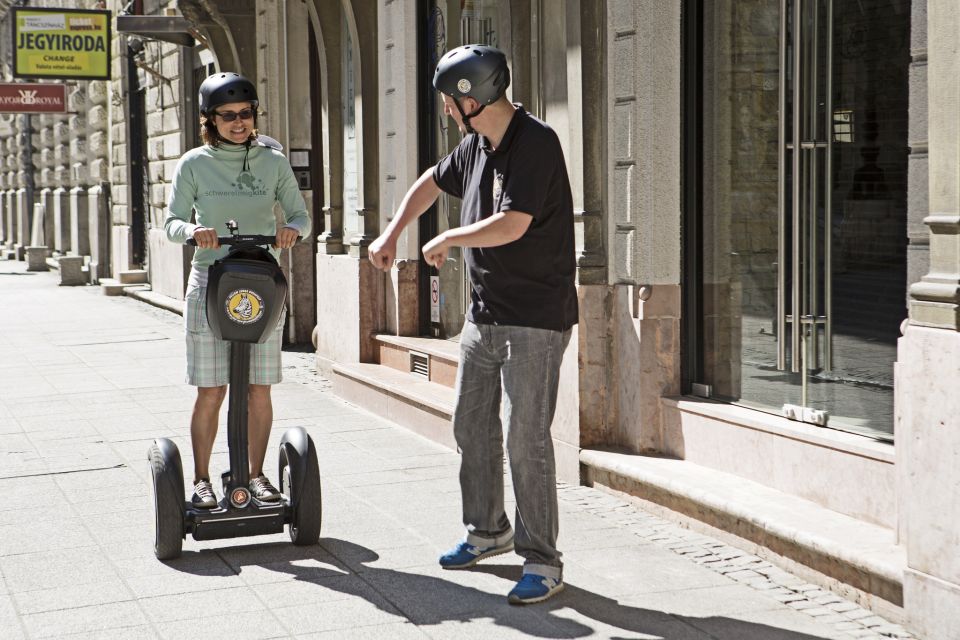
[781, 196]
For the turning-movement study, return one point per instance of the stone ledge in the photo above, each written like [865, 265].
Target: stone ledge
[113, 287]
[133, 276]
[829, 438]
[145, 294]
[863, 556]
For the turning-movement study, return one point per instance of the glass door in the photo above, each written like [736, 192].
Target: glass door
[804, 222]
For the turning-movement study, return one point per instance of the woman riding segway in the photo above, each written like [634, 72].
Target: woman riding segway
[239, 176]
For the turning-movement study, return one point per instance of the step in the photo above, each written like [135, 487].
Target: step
[113, 287]
[856, 559]
[133, 276]
[434, 359]
[409, 400]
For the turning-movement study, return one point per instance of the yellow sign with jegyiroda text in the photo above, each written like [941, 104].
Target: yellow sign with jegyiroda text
[62, 44]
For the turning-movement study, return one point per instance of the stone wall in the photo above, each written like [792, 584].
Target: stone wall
[928, 427]
[167, 263]
[69, 155]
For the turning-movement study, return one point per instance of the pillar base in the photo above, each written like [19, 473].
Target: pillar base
[932, 605]
[71, 271]
[37, 259]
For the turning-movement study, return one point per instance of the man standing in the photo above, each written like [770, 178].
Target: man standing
[517, 234]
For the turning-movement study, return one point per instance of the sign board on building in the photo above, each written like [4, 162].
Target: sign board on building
[27, 97]
[435, 299]
[300, 163]
[61, 43]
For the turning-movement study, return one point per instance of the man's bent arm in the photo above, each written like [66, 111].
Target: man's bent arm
[501, 228]
[418, 199]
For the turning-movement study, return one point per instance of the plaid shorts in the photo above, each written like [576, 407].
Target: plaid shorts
[208, 357]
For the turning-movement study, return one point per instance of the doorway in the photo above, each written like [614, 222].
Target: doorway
[804, 207]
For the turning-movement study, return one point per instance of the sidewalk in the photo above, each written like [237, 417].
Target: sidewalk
[87, 381]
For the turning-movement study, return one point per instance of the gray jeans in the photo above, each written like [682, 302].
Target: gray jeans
[523, 365]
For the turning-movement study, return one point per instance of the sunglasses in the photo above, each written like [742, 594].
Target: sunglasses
[230, 116]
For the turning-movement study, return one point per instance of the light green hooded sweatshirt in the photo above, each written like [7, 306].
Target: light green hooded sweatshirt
[232, 182]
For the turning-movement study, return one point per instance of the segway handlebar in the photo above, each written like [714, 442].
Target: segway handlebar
[239, 239]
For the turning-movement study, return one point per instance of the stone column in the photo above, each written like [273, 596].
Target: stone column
[398, 167]
[367, 124]
[5, 186]
[629, 344]
[79, 174]
[4, 223]
[927, 376]
[98, 210]
[6, 133]
[98, 196]
[60, 196]
[331, 241]
[284, 81]
[45, 164]
[48, 236]
[10, 220]
[24, 218]
[351, 281]
[26, 146]
[10, 149]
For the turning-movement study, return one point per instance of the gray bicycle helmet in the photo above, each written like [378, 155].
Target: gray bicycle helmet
[224, 88]
[473, 70]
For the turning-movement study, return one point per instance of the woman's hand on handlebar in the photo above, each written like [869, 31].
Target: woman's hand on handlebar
[206, 238]
[286, 237]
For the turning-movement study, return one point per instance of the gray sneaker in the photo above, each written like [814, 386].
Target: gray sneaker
[203, 495]
[263, 490]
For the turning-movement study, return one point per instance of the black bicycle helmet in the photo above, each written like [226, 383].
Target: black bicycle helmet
[224, 88]
[473, 70]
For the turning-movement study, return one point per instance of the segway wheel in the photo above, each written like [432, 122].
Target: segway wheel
[168, 506]
[300, 482]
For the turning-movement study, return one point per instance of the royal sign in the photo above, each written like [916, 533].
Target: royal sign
[33, 98]
[63, 44]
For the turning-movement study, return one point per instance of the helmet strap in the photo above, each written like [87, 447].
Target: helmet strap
[465, 117]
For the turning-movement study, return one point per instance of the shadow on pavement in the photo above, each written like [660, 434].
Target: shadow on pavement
[428, 600]
[646, 621]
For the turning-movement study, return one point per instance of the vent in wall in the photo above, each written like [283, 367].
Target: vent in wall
[420, 364]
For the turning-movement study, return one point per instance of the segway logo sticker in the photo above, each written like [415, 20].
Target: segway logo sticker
[239, 497]
[244, 306]
[464, 86]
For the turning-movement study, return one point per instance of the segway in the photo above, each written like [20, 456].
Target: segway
[245, 296]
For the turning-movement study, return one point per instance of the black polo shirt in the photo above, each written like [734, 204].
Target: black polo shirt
[528, 282]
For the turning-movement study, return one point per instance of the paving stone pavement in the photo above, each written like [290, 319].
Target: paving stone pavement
[87, 381]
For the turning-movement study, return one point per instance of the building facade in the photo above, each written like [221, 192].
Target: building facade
[767, 209]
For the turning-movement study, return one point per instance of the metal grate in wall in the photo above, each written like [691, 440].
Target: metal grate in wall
[420, 364]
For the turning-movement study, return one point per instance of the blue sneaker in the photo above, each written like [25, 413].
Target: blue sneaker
[466, 555]
[533, 588]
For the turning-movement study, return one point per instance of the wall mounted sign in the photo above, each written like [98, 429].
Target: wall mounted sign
[27, 97]
[61, 43]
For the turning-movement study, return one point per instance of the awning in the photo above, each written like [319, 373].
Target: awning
[175, 29]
